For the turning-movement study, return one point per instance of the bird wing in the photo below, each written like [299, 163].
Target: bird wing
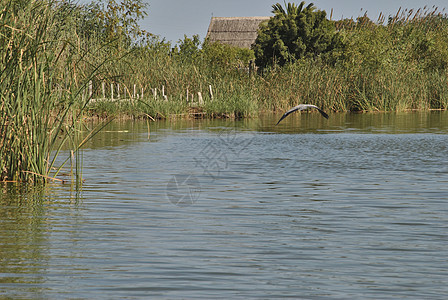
[324, 114]
[289, 112]
[302, 107]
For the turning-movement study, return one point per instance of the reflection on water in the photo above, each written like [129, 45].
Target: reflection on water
[351, 207]
[25, 228]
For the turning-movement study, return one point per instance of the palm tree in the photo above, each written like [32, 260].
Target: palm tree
[291, 8]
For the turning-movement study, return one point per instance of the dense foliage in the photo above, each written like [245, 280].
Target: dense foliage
[294, 33]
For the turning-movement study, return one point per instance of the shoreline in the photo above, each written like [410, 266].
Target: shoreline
[216, 116]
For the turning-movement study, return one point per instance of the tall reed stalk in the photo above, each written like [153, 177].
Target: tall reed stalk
[39, 110]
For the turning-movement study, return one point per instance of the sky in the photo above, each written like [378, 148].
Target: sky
[172, 19]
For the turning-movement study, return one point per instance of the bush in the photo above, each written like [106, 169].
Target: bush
[225, 55]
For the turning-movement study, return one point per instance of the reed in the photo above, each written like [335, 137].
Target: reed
[40, 108]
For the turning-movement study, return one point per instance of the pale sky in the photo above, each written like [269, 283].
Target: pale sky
[171, 19]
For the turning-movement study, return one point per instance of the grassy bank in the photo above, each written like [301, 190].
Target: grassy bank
[397, 87]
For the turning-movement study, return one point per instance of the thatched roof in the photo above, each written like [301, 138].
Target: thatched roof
[236, 31]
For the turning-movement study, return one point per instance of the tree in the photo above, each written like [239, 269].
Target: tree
[188, 49]
[120, 20]
[292, 8]
[292, 33]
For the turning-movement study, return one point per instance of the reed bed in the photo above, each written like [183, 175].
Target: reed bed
[50, 67]
[40, 105]
[394, 64]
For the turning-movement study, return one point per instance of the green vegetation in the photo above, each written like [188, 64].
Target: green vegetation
[56, 55]
[41, 107]
[346, 65]
[294, 33]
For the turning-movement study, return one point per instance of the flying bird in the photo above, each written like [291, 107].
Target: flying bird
[302, 107]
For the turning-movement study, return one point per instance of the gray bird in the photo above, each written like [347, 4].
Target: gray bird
[303, 107]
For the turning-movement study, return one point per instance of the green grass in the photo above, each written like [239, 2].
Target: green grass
[401, 87]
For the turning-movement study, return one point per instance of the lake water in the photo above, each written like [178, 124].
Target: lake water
[354, 207]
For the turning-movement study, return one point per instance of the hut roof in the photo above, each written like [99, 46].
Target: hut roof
[235, 31]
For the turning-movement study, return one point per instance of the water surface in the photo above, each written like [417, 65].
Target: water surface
[351, 207]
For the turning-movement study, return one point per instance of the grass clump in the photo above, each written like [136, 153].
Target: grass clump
[40, 108]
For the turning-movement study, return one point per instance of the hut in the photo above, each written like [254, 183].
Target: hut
[235, 31]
